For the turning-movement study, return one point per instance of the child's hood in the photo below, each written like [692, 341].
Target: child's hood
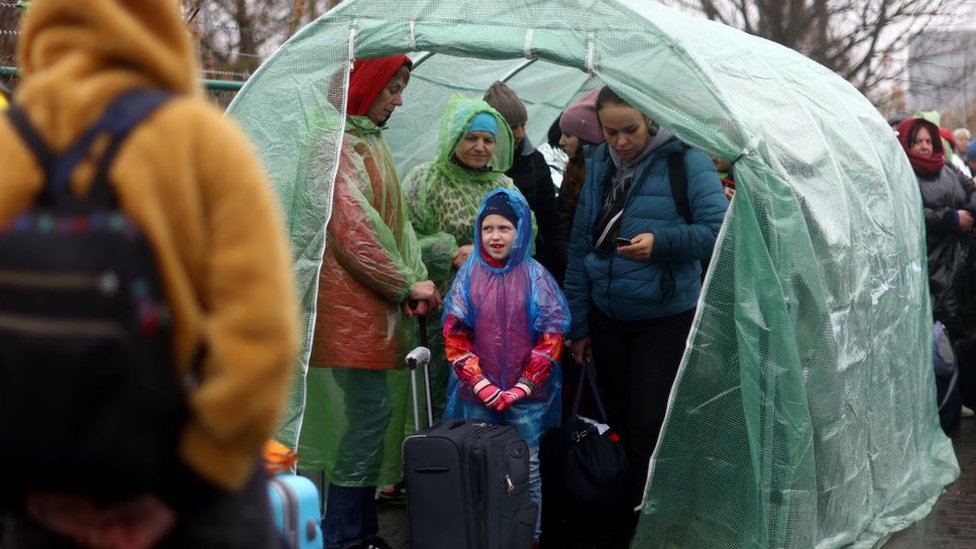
[522, 245]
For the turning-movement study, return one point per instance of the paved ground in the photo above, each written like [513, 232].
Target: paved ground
[952, 522]
[950, 525]
[393, 525]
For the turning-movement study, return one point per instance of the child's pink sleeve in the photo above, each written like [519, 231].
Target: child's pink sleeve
[543, 359]
[460, 352]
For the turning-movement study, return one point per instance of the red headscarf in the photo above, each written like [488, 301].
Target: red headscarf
[368, 78]
[922, 166]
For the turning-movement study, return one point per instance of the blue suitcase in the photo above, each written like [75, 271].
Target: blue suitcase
[295, 507]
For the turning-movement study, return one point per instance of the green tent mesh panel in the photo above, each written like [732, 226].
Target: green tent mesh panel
[804, 411]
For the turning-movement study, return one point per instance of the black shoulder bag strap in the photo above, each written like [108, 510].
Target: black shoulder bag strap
[678, 176]
[588, 375]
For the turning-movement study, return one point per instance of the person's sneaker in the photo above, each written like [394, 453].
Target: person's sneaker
[377, 543]
[966, 411]
[393, 494]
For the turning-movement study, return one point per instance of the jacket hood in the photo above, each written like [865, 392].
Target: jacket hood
[525, 147]
[522, 247]
[660, 138]
[664, 142]
[77, 55]
[458, 114]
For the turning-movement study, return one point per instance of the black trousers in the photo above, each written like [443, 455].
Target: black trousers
[964, 345]
[206, 518]
[636, 363]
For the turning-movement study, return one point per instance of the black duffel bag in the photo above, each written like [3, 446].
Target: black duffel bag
[586, 478]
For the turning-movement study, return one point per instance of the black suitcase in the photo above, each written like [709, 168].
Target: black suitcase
[468, 487]
[467, 482]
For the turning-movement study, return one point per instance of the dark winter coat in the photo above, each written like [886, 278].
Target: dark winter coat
[950, 251]
[531, 176]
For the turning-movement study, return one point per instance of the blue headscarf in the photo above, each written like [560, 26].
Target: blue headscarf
[484, 122]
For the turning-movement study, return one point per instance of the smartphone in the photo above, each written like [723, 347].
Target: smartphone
[622, 241]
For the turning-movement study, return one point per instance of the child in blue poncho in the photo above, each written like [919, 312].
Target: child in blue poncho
[504, 320]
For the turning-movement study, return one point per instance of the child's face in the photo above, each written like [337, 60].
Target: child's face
[497, 236]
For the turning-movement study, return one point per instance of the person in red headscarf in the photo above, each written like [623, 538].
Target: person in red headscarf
[949, 204]
[372, 278]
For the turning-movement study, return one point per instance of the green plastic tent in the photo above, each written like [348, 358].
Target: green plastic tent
[804, 411]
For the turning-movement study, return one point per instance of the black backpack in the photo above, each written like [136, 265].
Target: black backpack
[90, 399]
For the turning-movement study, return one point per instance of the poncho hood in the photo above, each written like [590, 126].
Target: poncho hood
[522, 246]
[458, 114]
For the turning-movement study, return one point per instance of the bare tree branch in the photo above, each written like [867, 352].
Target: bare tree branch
[857, 39]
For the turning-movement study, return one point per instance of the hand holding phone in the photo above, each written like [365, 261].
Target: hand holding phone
[639, 247]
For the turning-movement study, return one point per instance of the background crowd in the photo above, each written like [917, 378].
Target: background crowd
[944, 162]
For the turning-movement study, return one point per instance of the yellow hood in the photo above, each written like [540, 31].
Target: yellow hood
[76, 55]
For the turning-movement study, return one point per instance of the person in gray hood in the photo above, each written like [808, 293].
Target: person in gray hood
[634, 271]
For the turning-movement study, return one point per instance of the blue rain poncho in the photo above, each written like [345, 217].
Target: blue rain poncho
[512, 318]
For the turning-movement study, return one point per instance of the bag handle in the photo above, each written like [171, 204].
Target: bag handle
[588, 375]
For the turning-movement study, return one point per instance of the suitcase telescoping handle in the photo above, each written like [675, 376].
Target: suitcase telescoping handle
[423, 331]
[417, 357]
[426, 343]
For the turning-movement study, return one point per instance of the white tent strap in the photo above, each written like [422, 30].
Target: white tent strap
[590, 57]
[413, 35]
[527, 45]
[352, 45]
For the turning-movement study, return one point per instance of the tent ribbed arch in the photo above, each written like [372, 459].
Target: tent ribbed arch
[804, 413]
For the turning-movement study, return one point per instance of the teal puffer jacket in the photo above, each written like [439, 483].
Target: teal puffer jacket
[670, 281]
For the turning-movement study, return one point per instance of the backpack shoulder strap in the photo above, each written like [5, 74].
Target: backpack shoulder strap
[678, 176]
[31, 137]
[123, 114]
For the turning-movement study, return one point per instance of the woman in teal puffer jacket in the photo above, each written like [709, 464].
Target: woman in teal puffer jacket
[634, 270]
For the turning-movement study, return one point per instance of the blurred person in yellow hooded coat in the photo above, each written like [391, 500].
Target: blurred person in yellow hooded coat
[189, 180]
